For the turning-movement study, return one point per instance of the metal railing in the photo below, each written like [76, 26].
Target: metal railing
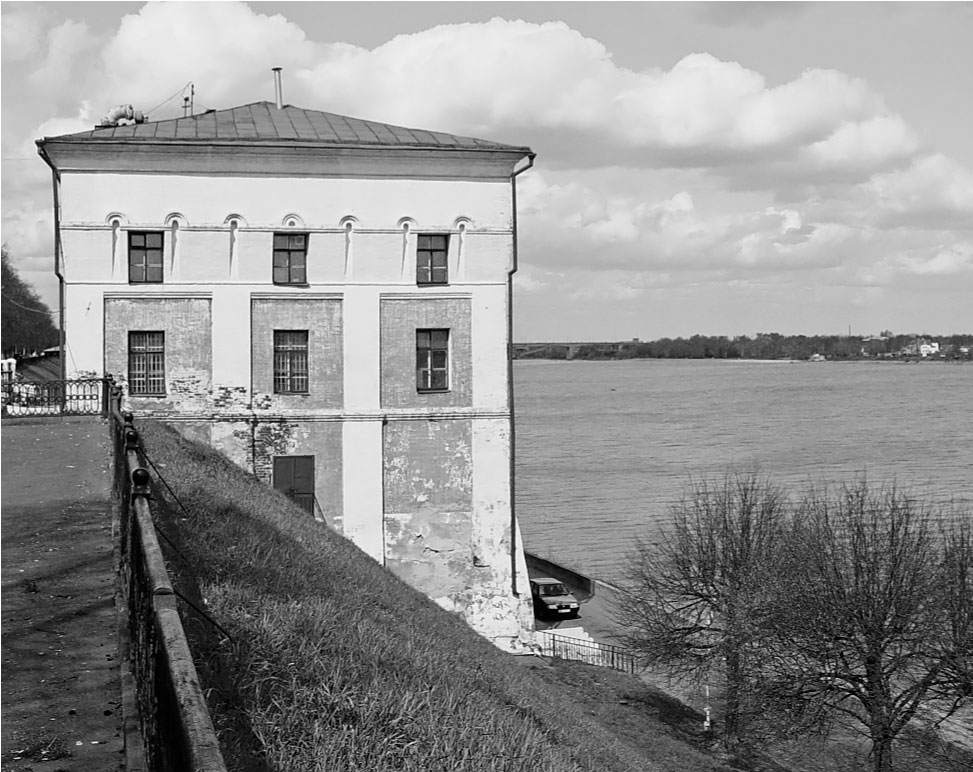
[589, 652]
[83, 396]
[176, 729]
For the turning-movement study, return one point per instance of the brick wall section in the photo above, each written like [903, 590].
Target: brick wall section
[400, 318]
[321, 317]
[254, 445]
[187, 325]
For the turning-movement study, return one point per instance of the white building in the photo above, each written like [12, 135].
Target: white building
[328, 301]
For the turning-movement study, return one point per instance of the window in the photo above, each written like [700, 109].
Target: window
[432, 360]
[147, 363]
[431, 250]
[290, 362]
[145, 257]
[290, 258]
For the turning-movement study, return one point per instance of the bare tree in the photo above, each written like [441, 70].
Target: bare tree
[693, 600]
[873, 618]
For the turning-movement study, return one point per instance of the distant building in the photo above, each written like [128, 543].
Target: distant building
[928, 348]
[327, 301]
[874, 346]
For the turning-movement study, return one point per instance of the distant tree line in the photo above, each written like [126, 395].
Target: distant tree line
[762, 346]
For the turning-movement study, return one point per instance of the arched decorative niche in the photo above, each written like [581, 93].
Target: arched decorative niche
[292, 220]
[174, 222]
[408, 225]
[348, 224]
[235, 220]
[461, 225]
[116, 221]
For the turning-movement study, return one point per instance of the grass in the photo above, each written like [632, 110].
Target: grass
[335, 664]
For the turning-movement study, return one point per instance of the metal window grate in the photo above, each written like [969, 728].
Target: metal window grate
[431, 258]
[432, 360]
[147, 363]
[290, 362]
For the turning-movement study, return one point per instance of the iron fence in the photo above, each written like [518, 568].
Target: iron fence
[83, 396]
[590, 652]
[176, 729]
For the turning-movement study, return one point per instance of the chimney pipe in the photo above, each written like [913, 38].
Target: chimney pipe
[278, 91]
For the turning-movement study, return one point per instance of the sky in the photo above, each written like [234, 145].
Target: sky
[702, 168]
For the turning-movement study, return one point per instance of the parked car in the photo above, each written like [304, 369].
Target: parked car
[552, 598]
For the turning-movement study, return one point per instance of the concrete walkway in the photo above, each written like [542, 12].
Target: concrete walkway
[61, 689]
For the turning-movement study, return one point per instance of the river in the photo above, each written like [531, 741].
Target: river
[603, 449]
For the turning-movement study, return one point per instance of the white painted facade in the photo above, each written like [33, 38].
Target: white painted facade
[362, 210]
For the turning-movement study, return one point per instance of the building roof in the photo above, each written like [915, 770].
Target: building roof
[263, 122]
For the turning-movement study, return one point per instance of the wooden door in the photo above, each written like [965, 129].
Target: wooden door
[294, 477]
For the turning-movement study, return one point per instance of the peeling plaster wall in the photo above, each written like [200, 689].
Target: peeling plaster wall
[420, 482]
[253, 445]
[448, 523]
[186, 323]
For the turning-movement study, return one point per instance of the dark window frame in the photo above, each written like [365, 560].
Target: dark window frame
[289, 264]
[146, 258]
[432, 360]
[147, 363]
[432, 259]
[291, 362]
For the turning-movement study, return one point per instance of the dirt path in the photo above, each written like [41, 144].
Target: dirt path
[61, 698]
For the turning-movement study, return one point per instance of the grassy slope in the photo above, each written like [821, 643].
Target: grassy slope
[336, 664]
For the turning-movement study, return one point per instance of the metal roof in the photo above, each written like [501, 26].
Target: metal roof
[263, 122]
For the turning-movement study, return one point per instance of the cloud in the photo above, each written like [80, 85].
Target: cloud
[570, 224]
[226, 49]
[22, 30]
[65, 43]
[701, 171]
[934, 192]
[867, 143]
[514, 79]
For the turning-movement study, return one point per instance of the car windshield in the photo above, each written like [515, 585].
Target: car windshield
[553, 589]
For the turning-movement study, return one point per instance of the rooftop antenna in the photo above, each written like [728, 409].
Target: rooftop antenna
[278, 91]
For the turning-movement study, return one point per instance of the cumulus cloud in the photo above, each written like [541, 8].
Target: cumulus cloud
[226, 49]
[515, 79]
[574, 225]
[701, 170]
[934, 192]
[22, 27]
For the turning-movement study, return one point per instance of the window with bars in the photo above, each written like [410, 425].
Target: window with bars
[431, 252]
[145, 250]
[147, 363]
[290, 362]
[432, 360]
[290, 258]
